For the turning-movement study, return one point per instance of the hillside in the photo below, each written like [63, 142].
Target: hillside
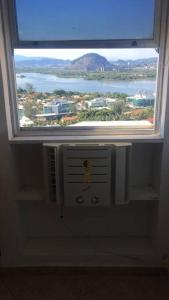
[90, 66]
[136, 63]
[40, 62]
[91, 62]
[88, 62]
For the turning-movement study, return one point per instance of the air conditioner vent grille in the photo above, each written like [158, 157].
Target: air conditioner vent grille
[52, 173]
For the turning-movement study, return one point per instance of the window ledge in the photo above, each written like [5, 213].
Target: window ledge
[153, 138]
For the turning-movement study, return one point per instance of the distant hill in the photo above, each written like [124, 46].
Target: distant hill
[20, 58]
[40, 62]
[88, 62]
[91, 62]
[135, 63]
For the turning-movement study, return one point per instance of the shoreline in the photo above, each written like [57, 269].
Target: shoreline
[80, 76]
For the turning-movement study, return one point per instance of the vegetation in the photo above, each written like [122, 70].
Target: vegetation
[116, 114]
[118, 75]
[32, 108]
[140, 114]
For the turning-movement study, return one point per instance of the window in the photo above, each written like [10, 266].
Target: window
[85, 65]
[72, 20]
[71, 89]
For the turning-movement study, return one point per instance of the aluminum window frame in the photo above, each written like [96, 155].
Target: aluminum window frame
[15, 131]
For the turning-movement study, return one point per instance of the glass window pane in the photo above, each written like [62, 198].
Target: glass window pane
[77, 87]
[44, 20]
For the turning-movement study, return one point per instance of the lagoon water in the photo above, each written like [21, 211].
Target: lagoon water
[49, 83]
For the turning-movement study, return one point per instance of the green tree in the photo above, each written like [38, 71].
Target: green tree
[21, 91]
[29, 88]
[31, 108]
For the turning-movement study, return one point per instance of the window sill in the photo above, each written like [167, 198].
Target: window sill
[149, 138]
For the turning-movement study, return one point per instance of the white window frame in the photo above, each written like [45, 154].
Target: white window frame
[8, 40]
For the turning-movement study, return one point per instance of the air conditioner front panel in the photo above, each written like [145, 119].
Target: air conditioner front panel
[87, 175]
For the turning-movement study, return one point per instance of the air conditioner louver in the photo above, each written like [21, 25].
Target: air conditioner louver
[50, 172]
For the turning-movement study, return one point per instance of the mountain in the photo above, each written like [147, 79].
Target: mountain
[87, 62]
[40, 62]
[152, 61]
[91, 62]
[20, 57]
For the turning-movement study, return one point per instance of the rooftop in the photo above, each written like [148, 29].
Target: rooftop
[142, 123]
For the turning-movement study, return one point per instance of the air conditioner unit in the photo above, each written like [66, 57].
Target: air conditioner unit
[87, 174]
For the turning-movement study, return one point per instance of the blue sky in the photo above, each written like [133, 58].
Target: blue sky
[111, 54]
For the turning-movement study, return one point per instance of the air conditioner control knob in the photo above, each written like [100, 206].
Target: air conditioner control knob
[95, 200]
[79, 200]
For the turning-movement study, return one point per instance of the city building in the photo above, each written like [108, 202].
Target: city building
[20, 111]
[99, 103]
[141, 100]
[56, 109]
